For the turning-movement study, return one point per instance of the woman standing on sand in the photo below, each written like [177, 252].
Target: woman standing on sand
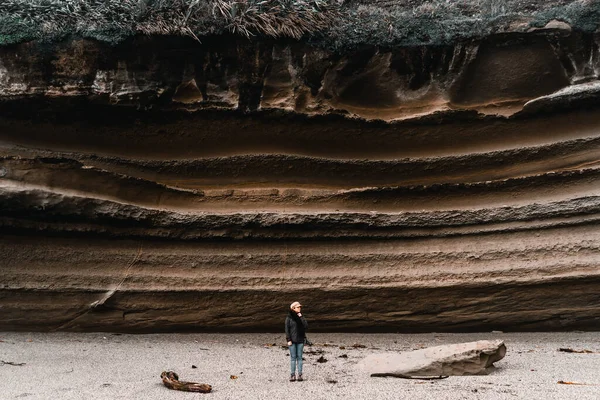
[295, 332]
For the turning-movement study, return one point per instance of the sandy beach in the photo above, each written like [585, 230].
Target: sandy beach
[255, 366]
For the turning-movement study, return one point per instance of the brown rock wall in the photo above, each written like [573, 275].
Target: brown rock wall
[513, 280]
[495, 75]
[164, 184]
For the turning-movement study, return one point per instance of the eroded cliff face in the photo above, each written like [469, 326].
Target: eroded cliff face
[164, 184]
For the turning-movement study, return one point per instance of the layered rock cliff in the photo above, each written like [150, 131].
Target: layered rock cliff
[409, 181]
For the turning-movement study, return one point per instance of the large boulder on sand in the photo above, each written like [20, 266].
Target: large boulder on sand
[474, 358]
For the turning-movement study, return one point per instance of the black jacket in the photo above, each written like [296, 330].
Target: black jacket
[295, 328]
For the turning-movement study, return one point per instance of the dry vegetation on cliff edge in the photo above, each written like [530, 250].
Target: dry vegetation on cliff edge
[114, 20]
[335, 24]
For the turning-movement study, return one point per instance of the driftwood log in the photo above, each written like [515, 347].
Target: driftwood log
[171, 380]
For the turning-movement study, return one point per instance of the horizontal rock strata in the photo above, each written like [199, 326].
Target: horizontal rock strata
[166, 184]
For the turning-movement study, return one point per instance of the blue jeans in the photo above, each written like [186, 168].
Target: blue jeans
[296, 350]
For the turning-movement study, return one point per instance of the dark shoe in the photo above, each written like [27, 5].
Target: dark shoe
[293, 378]
[300, 379]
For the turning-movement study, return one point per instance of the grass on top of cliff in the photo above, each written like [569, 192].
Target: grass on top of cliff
[114, 20]
[336, 24]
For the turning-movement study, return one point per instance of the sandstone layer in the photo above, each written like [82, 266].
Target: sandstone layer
[165, 183]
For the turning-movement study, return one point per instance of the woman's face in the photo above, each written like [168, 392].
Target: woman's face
[297, 309]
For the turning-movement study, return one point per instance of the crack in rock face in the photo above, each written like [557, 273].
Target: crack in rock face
[161, 183]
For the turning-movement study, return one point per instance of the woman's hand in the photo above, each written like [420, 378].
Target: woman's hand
[299, 314]
[290, 343]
